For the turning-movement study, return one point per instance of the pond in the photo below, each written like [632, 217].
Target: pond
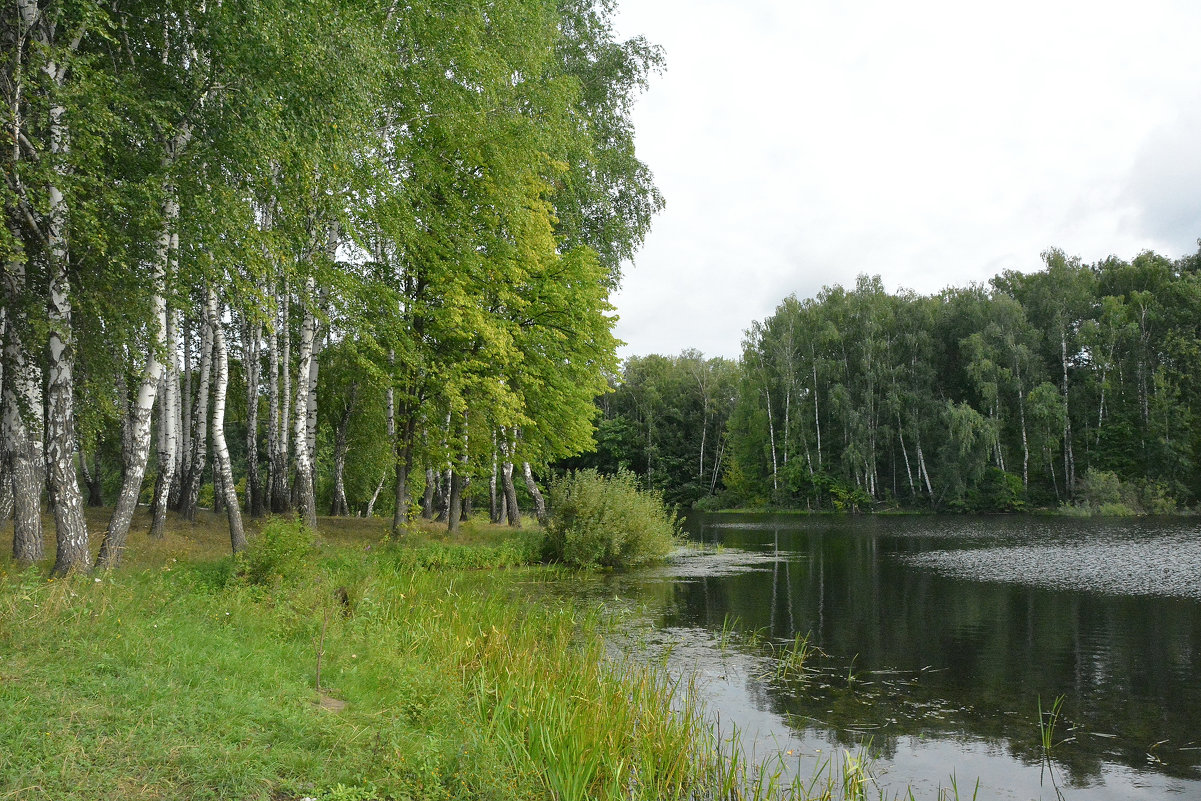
[935, 641]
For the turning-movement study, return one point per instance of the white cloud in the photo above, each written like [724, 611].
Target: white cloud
[934, 143]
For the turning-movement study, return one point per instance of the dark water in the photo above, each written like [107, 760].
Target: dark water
[939, 637]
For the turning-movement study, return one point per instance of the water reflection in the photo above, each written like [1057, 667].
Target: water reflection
[941, 656]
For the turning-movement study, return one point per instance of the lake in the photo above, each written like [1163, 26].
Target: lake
[938, 639]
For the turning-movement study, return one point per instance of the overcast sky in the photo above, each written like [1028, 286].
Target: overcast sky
[801, 143]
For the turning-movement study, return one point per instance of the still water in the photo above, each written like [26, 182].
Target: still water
[938, 638]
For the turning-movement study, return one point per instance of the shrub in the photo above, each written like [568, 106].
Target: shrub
[283, 551]
[599, 521]
[1157, 498]
[1101, 492]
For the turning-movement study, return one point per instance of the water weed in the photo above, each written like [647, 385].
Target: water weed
[1048, 719]
[790, 658]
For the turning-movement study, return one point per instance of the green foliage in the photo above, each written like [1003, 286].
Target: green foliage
[606, 521]
[1156, 498]
[665, 421]
[204, 498]
[1101, 492]
[986, 398]
[998, 491]
[282, 552]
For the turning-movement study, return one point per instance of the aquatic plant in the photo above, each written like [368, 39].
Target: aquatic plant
[729, 628]
[790, 659]
[1047, 720]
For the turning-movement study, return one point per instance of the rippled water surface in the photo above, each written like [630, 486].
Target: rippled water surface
[935, 640]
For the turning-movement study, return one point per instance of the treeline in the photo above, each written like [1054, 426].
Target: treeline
[350, 253]
[664, 420]
[1073, 385]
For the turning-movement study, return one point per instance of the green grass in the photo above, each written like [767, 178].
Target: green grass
[445, 673]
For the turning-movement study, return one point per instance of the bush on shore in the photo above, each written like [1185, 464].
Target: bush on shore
[607, 521]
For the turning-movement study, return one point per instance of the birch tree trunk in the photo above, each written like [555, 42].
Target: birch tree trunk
[22, 402]
[539, 501]
[199, 456]
[921, 469]
[71, 529]
[340, 507]
[183, 460]
[494, 515]
[375, 495]
[1025, 441]
[6, 487]
[281, 384]
[21, 398]
[91, 479]
[307, 505]
[427, 499]
[136, 457]
[225, 482]
[274, 468]
[771, 431]
[507, 447]
[404, 465]
[817, 420]
[320, 335]
[454, 501]
[254, 482]
[455, 506]
[1069, 459]
[168, 437]
[905, 454]
[6, 484]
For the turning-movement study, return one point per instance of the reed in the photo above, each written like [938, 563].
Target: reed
[1047, 721]
[790, 659]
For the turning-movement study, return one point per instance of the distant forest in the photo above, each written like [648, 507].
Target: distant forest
[1075, 386]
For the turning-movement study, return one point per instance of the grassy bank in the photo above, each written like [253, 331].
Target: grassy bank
[431, 668]
[442, 675]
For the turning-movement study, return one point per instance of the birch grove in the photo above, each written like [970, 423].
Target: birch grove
[204, 217]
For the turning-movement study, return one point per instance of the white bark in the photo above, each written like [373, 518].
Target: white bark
[494, 515]
[138, 454]
[771, 432]
[186, 410]
[224, 485]
[254, 488]
[539, 501]
[200, 414]
[905, 454]
[70, 527]
[304, 466]
[168, 455]
[507, 446]
[280, 389]
[21, 399]
[22, 405]
[375, 495]
[1069, 458]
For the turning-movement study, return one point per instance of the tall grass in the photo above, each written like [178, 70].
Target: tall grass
[442, 677]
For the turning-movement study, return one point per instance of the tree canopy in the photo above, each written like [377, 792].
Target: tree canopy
[311, 240]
